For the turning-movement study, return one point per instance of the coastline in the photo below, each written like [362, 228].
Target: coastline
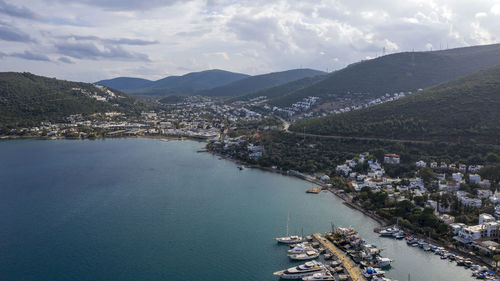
[346, 201]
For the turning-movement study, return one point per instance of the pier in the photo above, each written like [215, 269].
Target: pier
[353, 270]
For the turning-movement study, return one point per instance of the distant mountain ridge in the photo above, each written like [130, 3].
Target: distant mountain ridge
[259, 82]
[185, 84]
[406, 71]
[464, 109]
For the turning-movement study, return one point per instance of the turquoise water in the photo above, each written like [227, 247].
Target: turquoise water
[143, 209]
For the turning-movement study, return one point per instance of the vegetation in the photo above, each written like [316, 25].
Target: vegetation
[316, 154]
[27, 99]
[407, 71]
[259, 82]
[465, 109]
[281, 90]
[186, 84]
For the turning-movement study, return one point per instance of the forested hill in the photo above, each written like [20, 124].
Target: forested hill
[465, 109]
[407, 71]
[259, 82]
[27, 99]
[189, 83]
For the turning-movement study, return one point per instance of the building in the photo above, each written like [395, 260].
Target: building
[474, 178]
[391, 159]
[483, 193]
[484, 218]
[421, 164]
[457, 177]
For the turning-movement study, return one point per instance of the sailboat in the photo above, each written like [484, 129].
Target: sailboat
[292, 239]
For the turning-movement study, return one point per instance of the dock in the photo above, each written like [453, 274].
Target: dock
[353, 270]
[315, 190]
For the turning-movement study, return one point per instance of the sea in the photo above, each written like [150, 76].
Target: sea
[148, 209]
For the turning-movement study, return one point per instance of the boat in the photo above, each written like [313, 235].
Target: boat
[383, 262]
[324, 275]
[309, 255]
[370, 272]
[399, 235]
[289, 239]
[300, 248]
[300, 271]
[389, 231]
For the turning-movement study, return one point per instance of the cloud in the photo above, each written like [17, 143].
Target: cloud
[27, 55]
[65, 60]
[123, 5]
[11, 33]
[20, 12]
[90, 51]
[119, 41]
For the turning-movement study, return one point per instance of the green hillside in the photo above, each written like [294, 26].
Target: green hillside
[464, 109]
[259, 82]
[185, 84]
[398, 72]
[283, 89]
[27, 99]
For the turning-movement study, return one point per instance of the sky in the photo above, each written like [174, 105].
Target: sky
[90, 40]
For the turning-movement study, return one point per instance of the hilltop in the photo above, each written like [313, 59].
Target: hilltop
[27, 99]
[408, 71]
[186, 84]
[464, 109]
[259, 82]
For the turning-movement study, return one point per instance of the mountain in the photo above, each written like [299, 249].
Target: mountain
[464, 109]
[407, 71]
[283, 89]
[259, 82]
[185, 84]
[27, 99]
[125, 84]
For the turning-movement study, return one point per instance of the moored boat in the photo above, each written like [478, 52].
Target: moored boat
[290, 239]
[309, 255]
[300, 271]
[324, 275]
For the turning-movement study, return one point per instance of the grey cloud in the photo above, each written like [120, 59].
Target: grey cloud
[194, 33]
[65, 60]
[14, 11]
[119, 41]
[90, 51]
[27, 55]
[11, 33]
[120, 5]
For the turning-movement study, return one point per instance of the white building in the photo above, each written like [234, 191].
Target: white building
[421, 164]
[391, 159]
[474, 178]
[457, 177]
[484, 218]
[483, 193]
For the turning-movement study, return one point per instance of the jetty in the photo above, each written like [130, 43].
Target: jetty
[315, 190]
[352, 269]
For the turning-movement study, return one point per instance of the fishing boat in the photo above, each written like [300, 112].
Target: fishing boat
[301, 271]
[370, 272]
[320, 276]
[383, 262]
[309, 255]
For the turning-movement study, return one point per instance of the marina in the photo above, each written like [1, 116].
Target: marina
[353, 258]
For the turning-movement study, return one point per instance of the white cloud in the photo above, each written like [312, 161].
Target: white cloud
[101, 39]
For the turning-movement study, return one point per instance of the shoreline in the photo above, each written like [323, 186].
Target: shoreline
[380, 221]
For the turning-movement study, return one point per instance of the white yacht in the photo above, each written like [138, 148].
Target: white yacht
[290, 239]
[300, 248]
[301, 271]
[324, 275]
[309, 255]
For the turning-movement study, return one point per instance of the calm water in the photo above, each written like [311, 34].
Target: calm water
[142, 209]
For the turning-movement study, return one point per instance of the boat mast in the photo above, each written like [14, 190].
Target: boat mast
[288, 219]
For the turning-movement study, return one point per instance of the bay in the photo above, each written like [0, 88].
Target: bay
[145, 209]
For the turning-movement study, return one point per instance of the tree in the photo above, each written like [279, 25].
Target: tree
[426, 174]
